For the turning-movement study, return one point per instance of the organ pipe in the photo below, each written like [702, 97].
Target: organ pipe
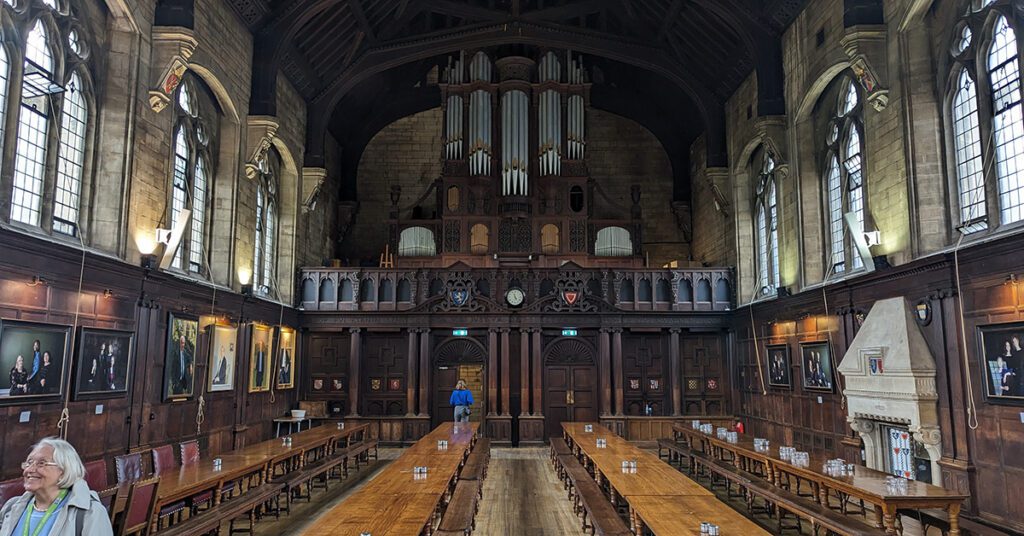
[576, 138]
[550, 129]
[453, 124]
[515, 142]
[480, 133]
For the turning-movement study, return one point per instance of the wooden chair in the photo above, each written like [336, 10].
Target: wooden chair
[129, 467]
[96, 474]
[190, 455]
[108, 498]
[189, 452]
[12, 488]
[164, 462]
[141, 506]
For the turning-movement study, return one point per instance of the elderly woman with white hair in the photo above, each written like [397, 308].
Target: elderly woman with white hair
[57, 501]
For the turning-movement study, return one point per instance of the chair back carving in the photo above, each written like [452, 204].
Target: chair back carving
[163, 459]
[141, 505]
[129, 467]
[96, 474]
[12, 488]
[189, 452]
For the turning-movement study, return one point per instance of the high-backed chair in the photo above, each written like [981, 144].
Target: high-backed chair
[189, 452]
[129, 467]
[108, 498]
[189, 456]
[141, 506]
[96, 474]
[12, 488]
[163, 459]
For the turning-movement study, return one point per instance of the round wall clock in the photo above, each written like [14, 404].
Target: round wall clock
[515, 296]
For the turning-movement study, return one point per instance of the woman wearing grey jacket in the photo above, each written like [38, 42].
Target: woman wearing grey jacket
[57, 500]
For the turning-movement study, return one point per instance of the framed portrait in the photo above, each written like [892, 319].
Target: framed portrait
[816, 361]
[1002, 358]
[286, 359]
[179, 362]
[259, 358]
[223, 358]
[779, 366]
[33, 361]
[103, 363]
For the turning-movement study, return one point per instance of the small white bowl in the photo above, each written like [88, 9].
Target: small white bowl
[298, 414]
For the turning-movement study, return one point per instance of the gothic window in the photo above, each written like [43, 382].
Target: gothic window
[843, 180]
[987, 121]
[264, 266]
[767, 227]
[195, 140]
[52, 111]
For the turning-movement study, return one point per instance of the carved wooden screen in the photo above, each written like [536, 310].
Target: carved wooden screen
[326, 370]
[645, 366]
[704, 374]
[385, 361]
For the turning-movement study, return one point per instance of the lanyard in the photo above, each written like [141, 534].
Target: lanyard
[49, 513]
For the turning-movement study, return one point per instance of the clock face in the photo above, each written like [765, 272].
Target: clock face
[514, 297]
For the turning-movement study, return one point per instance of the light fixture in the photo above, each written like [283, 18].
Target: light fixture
[245, 276]
[247, 290]
[37, 281]
[148, 261]
[873, 238]
[1011, 279]
[107, 293]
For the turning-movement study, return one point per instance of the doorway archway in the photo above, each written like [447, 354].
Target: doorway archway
[459, 358]
[570, 384]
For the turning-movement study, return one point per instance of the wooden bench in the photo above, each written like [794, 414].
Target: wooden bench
[673, 452]
[476, 464]
[210, 519]
[359, 451]
[940, 519]
[459, 517]
[597, 514]
[778, 501]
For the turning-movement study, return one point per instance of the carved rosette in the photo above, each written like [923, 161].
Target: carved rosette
[172, 48]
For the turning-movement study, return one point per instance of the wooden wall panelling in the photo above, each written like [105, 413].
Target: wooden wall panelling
[645, 366]
[384, 375]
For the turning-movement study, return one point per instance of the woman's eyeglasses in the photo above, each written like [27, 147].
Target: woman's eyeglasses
[38, 464]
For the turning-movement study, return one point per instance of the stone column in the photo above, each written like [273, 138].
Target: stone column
[524, 372]
[617, 368]
[538, 382]
[677, 380]
[354, 374]
[412, 364]
[424, 372]
[506, 383]
[492, 371]
[604, 366]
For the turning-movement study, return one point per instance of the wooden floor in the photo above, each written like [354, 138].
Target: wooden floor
[522, 495]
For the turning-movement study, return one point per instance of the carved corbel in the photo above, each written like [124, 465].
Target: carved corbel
[260, 133]
[346, 215]
[866, 48]
[684, 219]
[172, 48]
[715, 176]
[771, 130]
[312, 182]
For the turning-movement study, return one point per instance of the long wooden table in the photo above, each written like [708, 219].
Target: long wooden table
[395, 503]
[659, 497]
[257, 460]
[865, 484]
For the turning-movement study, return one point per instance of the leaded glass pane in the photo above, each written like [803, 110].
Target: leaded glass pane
[70, 159]
[199, 184]
[180, 186]
[835, 215]
[967, 150]
[850, 98]
[1008, 124]
[773, 236]
[762, 249]
[37, 49]
[854, 183]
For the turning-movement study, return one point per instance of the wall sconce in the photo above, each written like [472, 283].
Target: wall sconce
[873, 238]
[37, 281]
[247, 290]
[1011, 279]
[107, 294]
[148, 261]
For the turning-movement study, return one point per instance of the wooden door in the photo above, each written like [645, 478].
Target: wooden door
[570, 394]
[445, 378]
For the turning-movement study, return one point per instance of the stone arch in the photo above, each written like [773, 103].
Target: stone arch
[456, 350]
[569, 351]
[816, 88]
[124, 18]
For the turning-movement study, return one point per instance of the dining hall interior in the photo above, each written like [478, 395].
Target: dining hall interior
[511, 267]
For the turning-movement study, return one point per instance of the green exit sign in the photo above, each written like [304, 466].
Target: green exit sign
[460, 332]
[569, 332]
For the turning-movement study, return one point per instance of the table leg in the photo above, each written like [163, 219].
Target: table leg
[278, 434]
[954, 519]
[822, 493]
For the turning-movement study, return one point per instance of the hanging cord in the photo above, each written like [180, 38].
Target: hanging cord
[280, 324]
[753, 330]
[63, 424]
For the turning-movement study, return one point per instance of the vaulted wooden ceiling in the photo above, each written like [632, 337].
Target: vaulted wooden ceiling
[669, 64]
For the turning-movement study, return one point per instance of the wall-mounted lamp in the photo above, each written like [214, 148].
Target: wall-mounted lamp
[247, 290]
[107, 294]
[873, 238]
[37, 281]
[149, 261]
[1011, 279]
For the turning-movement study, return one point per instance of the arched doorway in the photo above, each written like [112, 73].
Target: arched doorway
[458, 358]
[570, 384]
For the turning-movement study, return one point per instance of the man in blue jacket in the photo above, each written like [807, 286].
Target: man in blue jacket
[462, 399]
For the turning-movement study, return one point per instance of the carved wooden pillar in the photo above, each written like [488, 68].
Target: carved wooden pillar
[604, 366]
[506, 383]
[524, 372]
[538, 385]
[412, 364]
[617, 368]
[677, 380]
[355, 379]
[492, 371]
[424, 371]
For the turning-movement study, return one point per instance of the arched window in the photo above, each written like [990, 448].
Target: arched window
[53, 111]
[767, 227]
[989, 134]
[264, 265]
[549, 239]
[843, 180]
[195, 140]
